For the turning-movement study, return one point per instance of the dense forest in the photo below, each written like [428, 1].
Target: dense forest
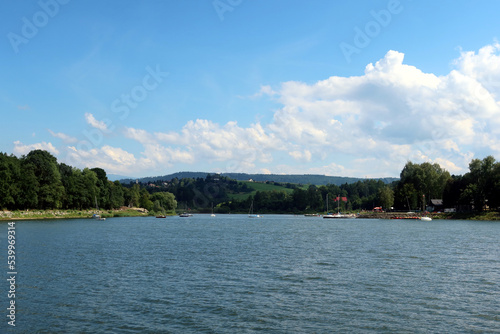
[38, 181]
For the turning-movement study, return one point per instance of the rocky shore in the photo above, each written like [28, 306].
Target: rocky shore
[392, 215]
[55, 214]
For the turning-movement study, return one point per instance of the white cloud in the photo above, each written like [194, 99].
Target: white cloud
[66, 138]
[367, 125]
[394, 112]
[265, 90]
[299, 155]
[95, 123]
[112, 159]
[21, 149]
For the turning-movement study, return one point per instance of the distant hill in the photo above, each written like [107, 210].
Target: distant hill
[282, 178]
[115, 177]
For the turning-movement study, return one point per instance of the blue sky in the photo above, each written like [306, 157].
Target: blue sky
[348, 88]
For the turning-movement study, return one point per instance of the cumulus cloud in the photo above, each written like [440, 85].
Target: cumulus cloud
[21, 149]
[112, 159]
[95, 123]
[394, 113]
[66, 138]
[209, 141]
[366, 125]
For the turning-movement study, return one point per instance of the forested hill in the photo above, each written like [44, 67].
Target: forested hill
[282, 178]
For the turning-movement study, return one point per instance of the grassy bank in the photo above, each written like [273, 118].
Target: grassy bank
[58, 214]
[491, 215]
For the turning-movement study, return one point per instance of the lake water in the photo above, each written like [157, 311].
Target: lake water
[276, 274]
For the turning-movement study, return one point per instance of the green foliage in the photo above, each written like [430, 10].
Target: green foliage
[418, 182]
[50, 187]
[144, 201]
[163, 201]
[37, 181]
[482, 184]
[386, 197]
[116, 195]
[9, 172]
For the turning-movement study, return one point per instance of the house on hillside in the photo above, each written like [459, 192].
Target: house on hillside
[435, 205]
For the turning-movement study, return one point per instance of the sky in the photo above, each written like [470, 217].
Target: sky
[341, 88]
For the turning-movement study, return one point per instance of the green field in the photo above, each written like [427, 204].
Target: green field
[259, 186]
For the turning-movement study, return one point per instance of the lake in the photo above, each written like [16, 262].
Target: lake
[233, 274]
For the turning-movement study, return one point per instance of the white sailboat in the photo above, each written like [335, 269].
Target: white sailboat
[424, 218]
[213, 214]
[338, 214]
[95, 215]
[251, 214]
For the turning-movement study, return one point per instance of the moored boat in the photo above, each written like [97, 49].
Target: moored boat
[251, 214]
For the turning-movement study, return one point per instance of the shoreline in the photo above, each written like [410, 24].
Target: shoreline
[140, 212]
[73, 214]
[489, 215]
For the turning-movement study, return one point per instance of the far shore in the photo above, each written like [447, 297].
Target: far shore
[140, 212]
[486, 215]
[73, 214]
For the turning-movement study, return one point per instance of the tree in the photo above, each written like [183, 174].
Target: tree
[116, 195]
[88, 189]
[417, 180]
[134, 195]
[50, 188]
[386, 197]
[69, 181]
[28, 187]
[164, 201]
[144, 201]
[102, 188]
[299, 199]
[314, 200]
[9, 177]
[482, 182]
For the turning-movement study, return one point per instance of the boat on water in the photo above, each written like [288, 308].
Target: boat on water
[338, 214]
[95, 215]
[161, 216]
[423, 218]
[213, 214]
[251, 214]
[186, 215]
[312, 215]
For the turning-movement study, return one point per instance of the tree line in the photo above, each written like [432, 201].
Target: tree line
[475, 191]
[38, 181]
[360, 195]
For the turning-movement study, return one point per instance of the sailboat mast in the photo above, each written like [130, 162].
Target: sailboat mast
[338, 204]
[327, 203]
